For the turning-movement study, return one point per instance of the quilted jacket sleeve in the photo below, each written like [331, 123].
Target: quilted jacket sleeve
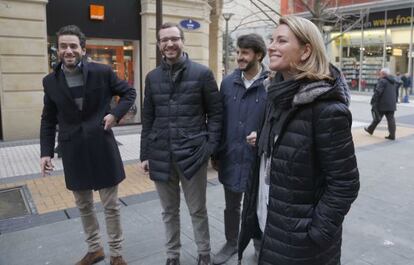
[214, 108]
[148, 116]
[337, 162]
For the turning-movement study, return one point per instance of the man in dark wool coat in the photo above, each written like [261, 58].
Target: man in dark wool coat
[77, 96]
[384, 102]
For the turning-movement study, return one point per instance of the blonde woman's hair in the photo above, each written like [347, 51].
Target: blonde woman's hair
[316, 67]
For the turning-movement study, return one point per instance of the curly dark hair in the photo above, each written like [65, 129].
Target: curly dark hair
[72, 30]
[252, 41]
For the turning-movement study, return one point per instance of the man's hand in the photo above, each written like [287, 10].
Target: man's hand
[46, 166]
[144, 166]
[215, 164]
[109, 121]
[251, 138]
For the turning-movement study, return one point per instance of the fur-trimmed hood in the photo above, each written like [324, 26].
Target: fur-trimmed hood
[335, 89]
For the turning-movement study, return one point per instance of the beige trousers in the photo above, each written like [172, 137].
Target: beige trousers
[109, 199]
[195, 196]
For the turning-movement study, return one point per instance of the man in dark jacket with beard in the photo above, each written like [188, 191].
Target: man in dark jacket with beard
[384, 103]
[181, 128]
[244, 99]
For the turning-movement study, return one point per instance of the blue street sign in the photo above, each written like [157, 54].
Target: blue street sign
[189, 24]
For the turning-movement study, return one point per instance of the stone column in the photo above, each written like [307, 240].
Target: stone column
[216, 47]
[23, 64]
[197, 42]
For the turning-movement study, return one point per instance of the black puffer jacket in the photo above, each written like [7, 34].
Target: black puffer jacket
[182, 118]
[313, 181]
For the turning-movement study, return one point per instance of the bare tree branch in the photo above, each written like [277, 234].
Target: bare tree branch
[258, 7]
[270, 8]
[247, 23]
[360, 20]
[308, 8]
[324, 5]
[252, 14]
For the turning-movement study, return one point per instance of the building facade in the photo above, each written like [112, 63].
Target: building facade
[384, 39]
[119, 33]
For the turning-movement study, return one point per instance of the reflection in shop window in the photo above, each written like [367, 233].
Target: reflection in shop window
[120, 58]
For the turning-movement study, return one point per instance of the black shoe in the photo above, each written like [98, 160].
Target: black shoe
[368, 131]
[204, 260]
[390, 137]
[173, 261]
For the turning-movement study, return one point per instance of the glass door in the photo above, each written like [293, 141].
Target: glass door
[120, 58]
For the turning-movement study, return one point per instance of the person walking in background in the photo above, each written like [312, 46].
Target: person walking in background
[398, 84]
[383, 102]
[76, 97]
[181, 128]
[307, 168]
[244, 99]
[406, 85]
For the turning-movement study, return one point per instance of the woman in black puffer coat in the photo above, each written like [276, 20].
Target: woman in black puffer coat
[306, 176]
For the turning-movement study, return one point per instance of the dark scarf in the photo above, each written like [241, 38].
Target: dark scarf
[175, 70]
[280, 95]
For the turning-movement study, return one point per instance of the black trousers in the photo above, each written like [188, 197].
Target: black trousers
[377, 117]
[232, 215]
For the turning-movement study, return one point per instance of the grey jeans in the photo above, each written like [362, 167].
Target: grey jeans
[109, 199]
[195, 196]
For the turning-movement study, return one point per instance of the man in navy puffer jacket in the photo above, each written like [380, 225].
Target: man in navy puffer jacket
[244, 100]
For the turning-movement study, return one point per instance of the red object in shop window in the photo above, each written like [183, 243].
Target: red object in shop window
[354, 83]
[363, 83]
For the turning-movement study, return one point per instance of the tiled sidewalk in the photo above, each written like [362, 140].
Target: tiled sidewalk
[50, 194]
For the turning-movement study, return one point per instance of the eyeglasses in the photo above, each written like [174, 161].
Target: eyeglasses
[172, 39]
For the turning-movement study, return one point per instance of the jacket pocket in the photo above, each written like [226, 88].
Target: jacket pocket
[192, 134]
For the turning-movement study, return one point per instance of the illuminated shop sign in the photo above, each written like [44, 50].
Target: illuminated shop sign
[97, 12]
[395, 18]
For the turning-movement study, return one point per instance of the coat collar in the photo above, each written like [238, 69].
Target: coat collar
[238, 78]
[84, 68]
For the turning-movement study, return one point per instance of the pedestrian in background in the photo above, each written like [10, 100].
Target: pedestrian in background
[383, 102]
[76, 97]
[398, 85]
[181, 128]
[244, 99]
[406, 85]
[306, 177]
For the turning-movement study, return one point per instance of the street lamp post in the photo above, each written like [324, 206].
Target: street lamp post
[326, 31]
[226, 17]
[158, 22]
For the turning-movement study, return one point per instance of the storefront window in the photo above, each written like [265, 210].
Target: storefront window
[374, 58]
[116, 53]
